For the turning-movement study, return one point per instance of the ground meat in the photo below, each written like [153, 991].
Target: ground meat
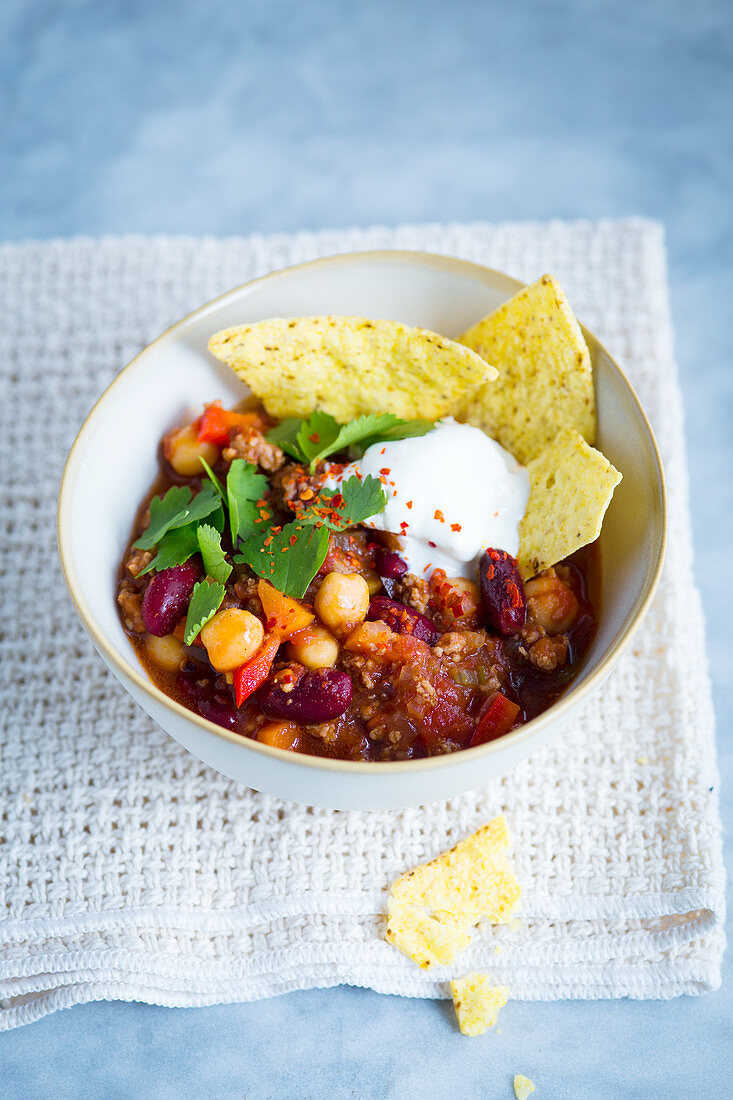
[137, 561]
[363, 670]
[547, 654]
[131, 603]
[291, 483]
[252, 446]
[414, 591]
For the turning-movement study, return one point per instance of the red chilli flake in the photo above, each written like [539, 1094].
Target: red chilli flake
[410, 503]
[315, 438]
[455, 526]
[386, 470]
[439, 515]
[383, 450]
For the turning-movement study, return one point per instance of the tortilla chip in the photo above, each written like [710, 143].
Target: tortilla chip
[522, 1086]
[545, 376]
[348, 366]
[471, 881]
[422, 939]
[571, 485]
[477, 1002]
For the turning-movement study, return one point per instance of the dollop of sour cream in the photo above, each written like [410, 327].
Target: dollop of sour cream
[450, 494]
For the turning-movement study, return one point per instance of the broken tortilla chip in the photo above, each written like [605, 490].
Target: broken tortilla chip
[571, 485]
[545, 377]
[471, 881]
[424, 940]
[348, 366]
[477, 1002]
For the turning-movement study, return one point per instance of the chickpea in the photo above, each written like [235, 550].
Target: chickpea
[231, 638]
[184, 451]
[280, 735]
[342, 601]
[550, 603]
[314, 647]
[166, 652]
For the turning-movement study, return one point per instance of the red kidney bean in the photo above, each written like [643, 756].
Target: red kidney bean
[402, 619]
[502, 592]
[389, 564]
[167, 597]
[204, 698]
[317, 696]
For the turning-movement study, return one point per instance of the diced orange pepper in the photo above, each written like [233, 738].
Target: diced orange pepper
[248, 677]
[284, 616]
[216, 423]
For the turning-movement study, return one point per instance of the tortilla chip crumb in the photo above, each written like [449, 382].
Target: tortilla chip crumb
[348, 366]
[522, 1086]
[571, 485]
[545, 376]
[477, 1002]
[424, 940]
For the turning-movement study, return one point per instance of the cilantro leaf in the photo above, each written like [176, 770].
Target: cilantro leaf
[360, 500]
[285, 435]
[317, 436]
[213, 478]
[352, 503]
[176, 509]
[174, 548]
[288, 559]
[215, 563]
[399, 429]
[374, 428]
[244, 488]
[206, 600]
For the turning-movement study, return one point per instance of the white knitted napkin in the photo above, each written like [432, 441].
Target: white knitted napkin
[129, 870]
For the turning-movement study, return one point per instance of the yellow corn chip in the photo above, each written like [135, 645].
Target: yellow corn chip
[571, 485]
[545, 377]
[421, 938]
[522, 1086]
[471, 881]
[348, 366]
[477, 1002]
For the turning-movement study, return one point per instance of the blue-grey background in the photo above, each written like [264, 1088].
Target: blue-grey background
[232, 117]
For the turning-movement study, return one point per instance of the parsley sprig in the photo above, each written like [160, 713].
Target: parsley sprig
[315, 438]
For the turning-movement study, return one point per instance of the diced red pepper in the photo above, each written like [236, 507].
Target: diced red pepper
[216, 423]
[247, 678]
[498, 716]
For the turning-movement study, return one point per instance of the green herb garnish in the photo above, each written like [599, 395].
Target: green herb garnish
[347, 506]
[319, 436]
[244, 488]
[289, 558]
[209, 543]
[176, 509]
[174, 548]
[205, 602]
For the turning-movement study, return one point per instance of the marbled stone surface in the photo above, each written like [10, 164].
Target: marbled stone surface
[233, 117]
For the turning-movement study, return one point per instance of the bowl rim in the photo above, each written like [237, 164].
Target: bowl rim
[364, 768]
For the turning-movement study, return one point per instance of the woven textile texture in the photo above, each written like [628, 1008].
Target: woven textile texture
[129, 870]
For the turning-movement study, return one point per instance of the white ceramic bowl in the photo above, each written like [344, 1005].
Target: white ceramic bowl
[113, 463]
